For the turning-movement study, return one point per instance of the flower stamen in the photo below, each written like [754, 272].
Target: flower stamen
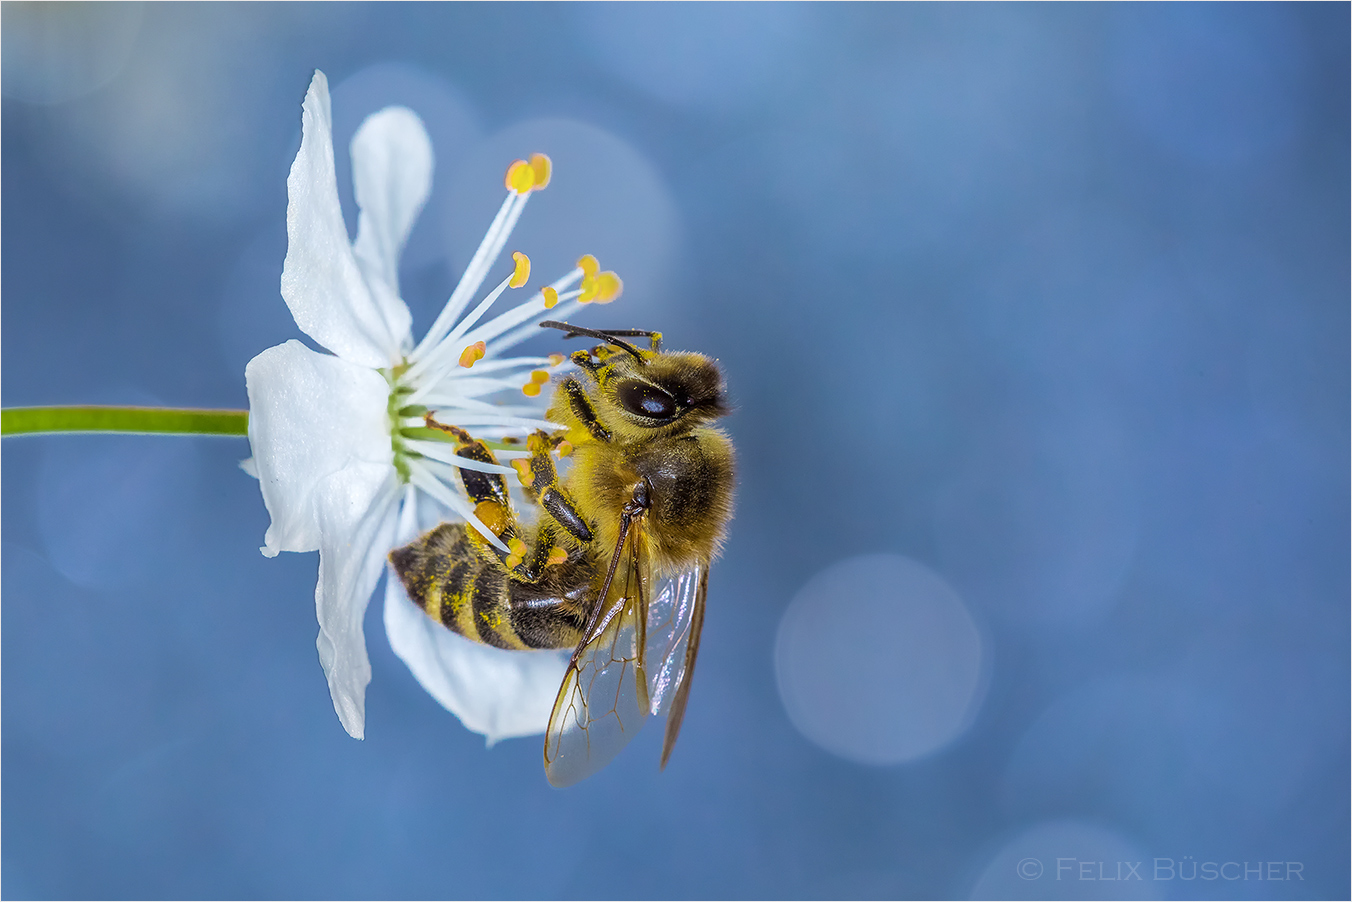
[538, 171]
[520, 177]
[522, 272]
[601, 288]
[542, 166]
[473, 354]
[524, 177]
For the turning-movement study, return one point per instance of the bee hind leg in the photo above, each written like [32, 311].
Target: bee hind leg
[557, 535]
[488, 492]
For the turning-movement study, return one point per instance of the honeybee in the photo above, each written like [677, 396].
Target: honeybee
[616, 565]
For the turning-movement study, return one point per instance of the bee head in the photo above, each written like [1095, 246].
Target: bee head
[649, 389]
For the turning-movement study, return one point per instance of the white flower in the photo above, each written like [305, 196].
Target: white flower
[342, 464]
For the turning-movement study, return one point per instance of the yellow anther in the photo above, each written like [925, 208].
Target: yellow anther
[541, 166]
[556, 359]
[556, 556]
[551, 297]
[588, 287]
[530, 389]
[608, 287]
[520, 177]
[589, 266]
[473, 354]
[516, 546]
[565, 448]
[540, 376]
[512, 561]
[522, 270]
[523, 472]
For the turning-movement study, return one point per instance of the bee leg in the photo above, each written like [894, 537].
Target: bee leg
[585, 361]
[582, 407]
[488, 491]
[541, 479]
[637, 507]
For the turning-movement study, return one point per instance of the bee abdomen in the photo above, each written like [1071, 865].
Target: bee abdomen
[471, 594]
[438, 572]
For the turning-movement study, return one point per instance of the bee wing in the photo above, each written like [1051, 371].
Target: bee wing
[603, 701]
[670, 615]
[685, 652]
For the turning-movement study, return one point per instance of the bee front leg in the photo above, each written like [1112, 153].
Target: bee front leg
[582, 408]
[541, 479]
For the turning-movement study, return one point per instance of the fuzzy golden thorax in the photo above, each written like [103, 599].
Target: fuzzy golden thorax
[635, 415]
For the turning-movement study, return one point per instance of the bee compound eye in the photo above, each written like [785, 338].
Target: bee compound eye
[644, 400]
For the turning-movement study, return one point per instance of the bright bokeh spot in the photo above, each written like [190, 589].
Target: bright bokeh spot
[55, 52]
[878, 660]
[604, 200]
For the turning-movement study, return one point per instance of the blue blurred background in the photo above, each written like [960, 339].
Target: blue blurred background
[1036, 319]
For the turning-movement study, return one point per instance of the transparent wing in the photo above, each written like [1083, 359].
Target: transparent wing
[680, 691]
[670, 613]
[603, 701]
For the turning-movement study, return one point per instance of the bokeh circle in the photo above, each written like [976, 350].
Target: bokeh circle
[878, 660]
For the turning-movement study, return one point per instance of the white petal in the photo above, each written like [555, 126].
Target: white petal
[392, 175]
[356, 513]
[321, 281]
[498, 693]
[310, 415]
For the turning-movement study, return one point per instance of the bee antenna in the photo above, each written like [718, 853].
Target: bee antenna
[571, 331]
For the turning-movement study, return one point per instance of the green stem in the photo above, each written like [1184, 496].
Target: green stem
[137, 420]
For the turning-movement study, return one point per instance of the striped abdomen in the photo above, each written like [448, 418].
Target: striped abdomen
[469, 592]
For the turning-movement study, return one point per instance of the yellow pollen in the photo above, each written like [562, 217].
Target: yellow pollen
[491, 514]
[473, 354]
[555, 359]
[551, 297]
[522, 270]
[516, 546]
[541, 167]
[522, 467]
[556, 555]
[565, 448]
[608, 287]
[520, 177]
[530, 389]
[540, 376]
[587, 263]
